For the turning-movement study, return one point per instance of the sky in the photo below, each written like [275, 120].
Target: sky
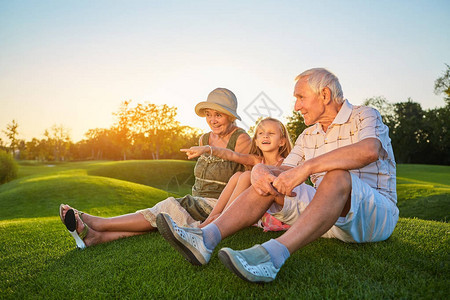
[72, 63]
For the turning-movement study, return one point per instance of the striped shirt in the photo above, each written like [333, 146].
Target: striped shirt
[351, 125]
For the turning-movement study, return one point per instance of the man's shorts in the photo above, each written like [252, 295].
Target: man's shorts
[371, 218]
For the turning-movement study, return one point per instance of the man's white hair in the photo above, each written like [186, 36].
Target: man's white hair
[320, 78]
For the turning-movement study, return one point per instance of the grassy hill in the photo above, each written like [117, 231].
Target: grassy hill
[424, 192]
[38, 259]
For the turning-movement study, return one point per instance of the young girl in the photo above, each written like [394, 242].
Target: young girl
[270, 145]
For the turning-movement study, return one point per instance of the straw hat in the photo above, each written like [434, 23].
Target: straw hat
[220, 99]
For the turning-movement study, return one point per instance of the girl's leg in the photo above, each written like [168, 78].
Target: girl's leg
[223, 199]
[243, 183]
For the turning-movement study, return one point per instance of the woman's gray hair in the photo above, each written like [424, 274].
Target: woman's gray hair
[320, 78]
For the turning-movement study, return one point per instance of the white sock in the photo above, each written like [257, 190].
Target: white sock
[211, 236]
[277, 251]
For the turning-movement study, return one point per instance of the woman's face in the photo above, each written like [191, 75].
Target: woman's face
[217, 121]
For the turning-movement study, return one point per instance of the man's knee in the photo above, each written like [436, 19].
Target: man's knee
[341, 183]
[339, 178]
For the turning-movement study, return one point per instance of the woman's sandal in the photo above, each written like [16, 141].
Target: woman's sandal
[61, 208]
[71, 224]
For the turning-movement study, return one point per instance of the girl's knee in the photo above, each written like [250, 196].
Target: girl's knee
[235, 177]
[245, 177]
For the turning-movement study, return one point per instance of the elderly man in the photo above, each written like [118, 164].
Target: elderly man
[348, 156]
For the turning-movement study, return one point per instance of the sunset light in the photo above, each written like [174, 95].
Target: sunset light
[74, 63]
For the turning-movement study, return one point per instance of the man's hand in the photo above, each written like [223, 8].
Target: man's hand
[195, 151]
[262, 179]
[288, 180]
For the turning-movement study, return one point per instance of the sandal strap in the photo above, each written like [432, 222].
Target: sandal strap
[85, 231]
[79, 213]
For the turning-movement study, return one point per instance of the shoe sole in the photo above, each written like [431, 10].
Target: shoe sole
[71, 224]
[177, 242]
[230, 263]
[70, 221]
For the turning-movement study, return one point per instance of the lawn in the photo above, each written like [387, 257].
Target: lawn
[38, 259]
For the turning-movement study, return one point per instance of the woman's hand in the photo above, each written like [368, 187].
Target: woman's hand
[195, 151]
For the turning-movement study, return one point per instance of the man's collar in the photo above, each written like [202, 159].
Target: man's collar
[344, 113]
[317, 128]
[342, 117]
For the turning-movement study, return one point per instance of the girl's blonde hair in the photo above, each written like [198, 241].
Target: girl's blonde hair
[284, 150]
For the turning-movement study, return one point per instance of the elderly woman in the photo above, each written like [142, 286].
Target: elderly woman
[211, 176]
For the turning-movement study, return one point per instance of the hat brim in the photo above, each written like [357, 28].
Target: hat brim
[200, 109]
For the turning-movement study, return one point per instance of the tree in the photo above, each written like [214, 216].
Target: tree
[22, 149]
[122, 128]
[8, 167]
[295, 125]
[437, 142]
[140, 132]
[35, 150]
[12, 133]
[442, 85]
[154, 127]
[2, 145]
[407, 132]
[58, 143]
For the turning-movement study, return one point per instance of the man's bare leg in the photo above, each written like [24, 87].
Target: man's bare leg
[261, 263]
[197, 245]
[331, 200]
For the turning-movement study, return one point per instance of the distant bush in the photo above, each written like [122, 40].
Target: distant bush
[8, 167]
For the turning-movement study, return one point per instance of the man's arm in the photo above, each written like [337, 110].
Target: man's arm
[348, 157]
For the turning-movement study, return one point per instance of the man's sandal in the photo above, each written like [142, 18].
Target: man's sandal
[61, 208]
[71, 224]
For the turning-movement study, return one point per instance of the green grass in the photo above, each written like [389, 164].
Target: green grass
[424, 192]
[38, 259]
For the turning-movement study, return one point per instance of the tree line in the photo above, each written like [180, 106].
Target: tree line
[144, 131]
[149, 131]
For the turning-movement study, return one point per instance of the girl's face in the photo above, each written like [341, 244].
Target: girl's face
[217, 121]
[268, 136]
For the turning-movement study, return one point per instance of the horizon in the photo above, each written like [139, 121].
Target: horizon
[73, 63]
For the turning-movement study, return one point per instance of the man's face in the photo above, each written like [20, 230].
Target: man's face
[308, 103]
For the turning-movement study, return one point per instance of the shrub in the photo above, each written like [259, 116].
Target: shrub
[8, 167]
